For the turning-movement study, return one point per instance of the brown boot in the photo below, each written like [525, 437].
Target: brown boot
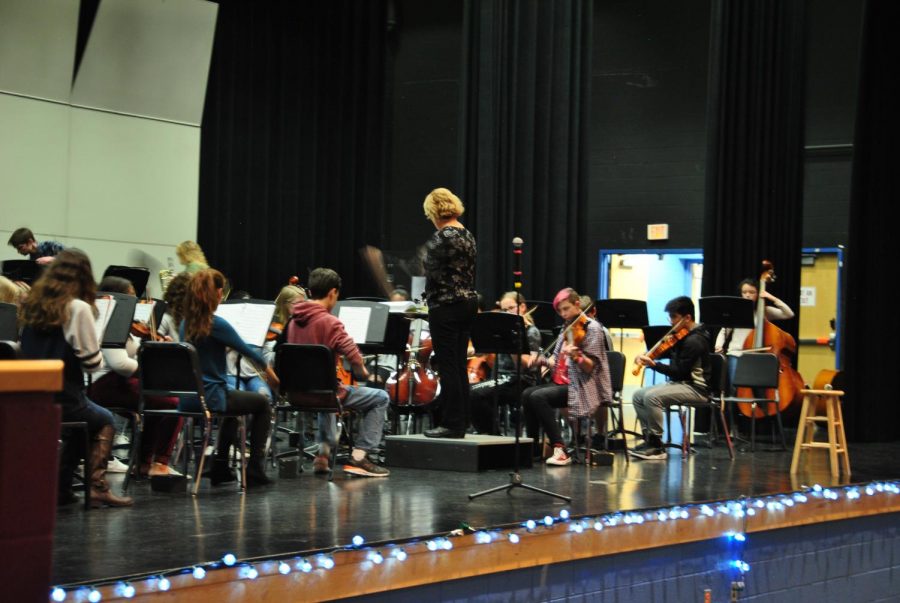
[100, 492]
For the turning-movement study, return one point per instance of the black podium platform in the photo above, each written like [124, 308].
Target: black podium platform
[472, 453]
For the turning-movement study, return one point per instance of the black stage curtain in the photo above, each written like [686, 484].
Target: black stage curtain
[291, 168]
[754, 187]
[871, 409]
[524, 139]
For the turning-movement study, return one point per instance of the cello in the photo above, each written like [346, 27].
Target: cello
[414, 384]
[767, 335]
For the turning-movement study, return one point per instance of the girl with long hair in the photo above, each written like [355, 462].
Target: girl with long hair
[58, 318]
[211, 335]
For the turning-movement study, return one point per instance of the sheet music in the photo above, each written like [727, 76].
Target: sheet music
[251, 321]
[418, 288]
[105, 306]
[356, 322]
[142, 311]
[398, 306]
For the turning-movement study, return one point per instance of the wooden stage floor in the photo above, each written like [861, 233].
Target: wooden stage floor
[167, 531]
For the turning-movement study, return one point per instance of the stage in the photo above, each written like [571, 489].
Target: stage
[308, 520]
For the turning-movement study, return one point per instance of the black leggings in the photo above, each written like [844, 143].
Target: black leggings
[251, 403]
[540, 403]
[450, 326]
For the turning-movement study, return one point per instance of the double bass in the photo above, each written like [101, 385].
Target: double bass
[780, 343]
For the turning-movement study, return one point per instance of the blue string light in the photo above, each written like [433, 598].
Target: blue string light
[58, 594]
[163, 584]
[229, 559]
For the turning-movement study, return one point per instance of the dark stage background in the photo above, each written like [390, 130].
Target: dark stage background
[571, 124]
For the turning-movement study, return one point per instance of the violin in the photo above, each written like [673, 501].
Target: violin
[145, 331]
[679, 331]
[479, 366]
[779, 342]
[579, 323]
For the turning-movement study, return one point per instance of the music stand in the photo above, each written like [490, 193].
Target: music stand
[9, 328]
[26, 271]
[138, 277]
[503, 333]
[621, 314]
[728, 312]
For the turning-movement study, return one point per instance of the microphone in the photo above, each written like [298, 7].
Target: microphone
[517, 263]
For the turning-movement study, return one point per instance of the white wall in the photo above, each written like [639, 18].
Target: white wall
[119, 180]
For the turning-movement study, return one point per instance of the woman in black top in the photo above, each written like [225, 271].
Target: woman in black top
[452, 304]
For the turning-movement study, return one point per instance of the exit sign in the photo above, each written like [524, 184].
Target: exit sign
[657, 232]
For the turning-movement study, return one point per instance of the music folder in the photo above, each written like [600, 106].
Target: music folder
[115, 312]
[26, 271]
[251, 318]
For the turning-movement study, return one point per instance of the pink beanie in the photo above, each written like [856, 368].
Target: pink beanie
[561, 297]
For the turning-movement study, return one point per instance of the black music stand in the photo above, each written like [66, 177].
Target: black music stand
[9, 328]
[137, 276]
[621, 314]
[26, 271]
[503, 333]
[728, 312]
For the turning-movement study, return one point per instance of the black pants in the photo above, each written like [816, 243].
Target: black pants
[481, 400]
[450, 328]
[251, 403]
[539, 403]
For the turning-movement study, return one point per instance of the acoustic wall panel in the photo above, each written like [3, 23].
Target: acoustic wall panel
[37, 47]
[148, 58]
[132, 179]
[34, 159]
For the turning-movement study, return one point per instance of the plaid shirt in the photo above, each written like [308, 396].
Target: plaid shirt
[588, 390]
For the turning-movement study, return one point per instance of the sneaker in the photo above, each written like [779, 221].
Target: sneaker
[365, 468]
[559, 458]
[320, 464]
[651, 454]
[116, 466]
[121, 441]
[160, 469]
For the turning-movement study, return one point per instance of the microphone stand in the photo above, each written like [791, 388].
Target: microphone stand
[515, 478]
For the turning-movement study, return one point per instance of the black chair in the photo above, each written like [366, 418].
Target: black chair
[616, 362]
[9, 327]
[714, 401]
[173, 369]
[308, 381]
[758, 372]
[9, 350]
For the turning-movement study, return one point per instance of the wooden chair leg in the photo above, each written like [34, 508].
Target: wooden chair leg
[842, 438]
[832, 438]
[802, 428]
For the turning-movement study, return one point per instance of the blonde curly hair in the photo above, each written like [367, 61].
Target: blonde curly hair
[442, 204]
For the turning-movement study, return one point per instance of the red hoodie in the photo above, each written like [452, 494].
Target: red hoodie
[313, 323]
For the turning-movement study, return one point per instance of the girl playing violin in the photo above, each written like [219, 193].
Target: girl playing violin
[581, 379]
[118, 387]
[506, 387]
[688, 372]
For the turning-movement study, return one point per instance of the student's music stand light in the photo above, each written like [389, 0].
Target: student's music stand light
[621, 314]
[503, 333]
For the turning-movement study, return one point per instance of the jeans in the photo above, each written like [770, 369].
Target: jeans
[649, 404]
[250, 384]
[450, 328]
[371, 404]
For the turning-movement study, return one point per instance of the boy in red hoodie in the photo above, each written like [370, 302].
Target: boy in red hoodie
[313, 322]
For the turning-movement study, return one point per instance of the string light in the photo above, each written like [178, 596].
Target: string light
[736, 509]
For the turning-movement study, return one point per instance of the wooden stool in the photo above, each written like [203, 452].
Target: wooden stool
[833, 417]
